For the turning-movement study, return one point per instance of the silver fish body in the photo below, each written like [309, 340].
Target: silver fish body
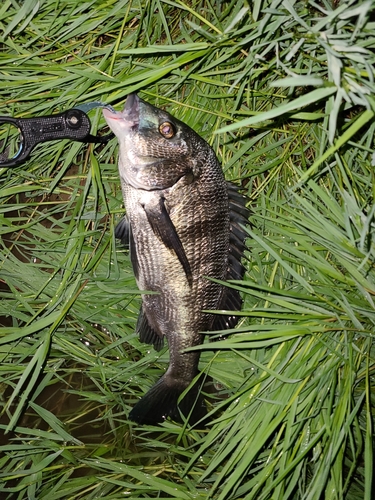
[183, 221]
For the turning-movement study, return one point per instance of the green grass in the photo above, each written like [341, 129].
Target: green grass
[284, 93]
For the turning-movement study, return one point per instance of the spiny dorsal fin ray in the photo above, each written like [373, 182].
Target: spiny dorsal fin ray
[238, 215]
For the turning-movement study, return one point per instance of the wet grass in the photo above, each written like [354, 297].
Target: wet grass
[284, 93]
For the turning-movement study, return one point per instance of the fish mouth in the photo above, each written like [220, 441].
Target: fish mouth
[129, 117]
[131, 109]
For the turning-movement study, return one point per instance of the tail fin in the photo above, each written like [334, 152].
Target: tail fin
[160, 402]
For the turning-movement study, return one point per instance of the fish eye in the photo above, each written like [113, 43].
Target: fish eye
[167, 130]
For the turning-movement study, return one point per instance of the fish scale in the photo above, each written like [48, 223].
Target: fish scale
[184, 225]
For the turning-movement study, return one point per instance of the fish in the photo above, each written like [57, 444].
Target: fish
[185, 227]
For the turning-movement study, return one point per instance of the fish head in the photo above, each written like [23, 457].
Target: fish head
[155, 149]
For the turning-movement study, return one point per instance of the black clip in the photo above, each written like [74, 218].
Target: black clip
[73, 124]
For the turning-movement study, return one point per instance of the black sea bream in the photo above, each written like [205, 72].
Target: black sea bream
[183, 221]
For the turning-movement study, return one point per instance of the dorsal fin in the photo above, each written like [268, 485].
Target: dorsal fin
[238, 215]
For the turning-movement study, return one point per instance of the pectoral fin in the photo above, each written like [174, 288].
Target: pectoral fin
[164, 229]
[122, 231]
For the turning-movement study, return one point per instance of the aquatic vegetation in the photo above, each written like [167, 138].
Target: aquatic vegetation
[283, 92]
